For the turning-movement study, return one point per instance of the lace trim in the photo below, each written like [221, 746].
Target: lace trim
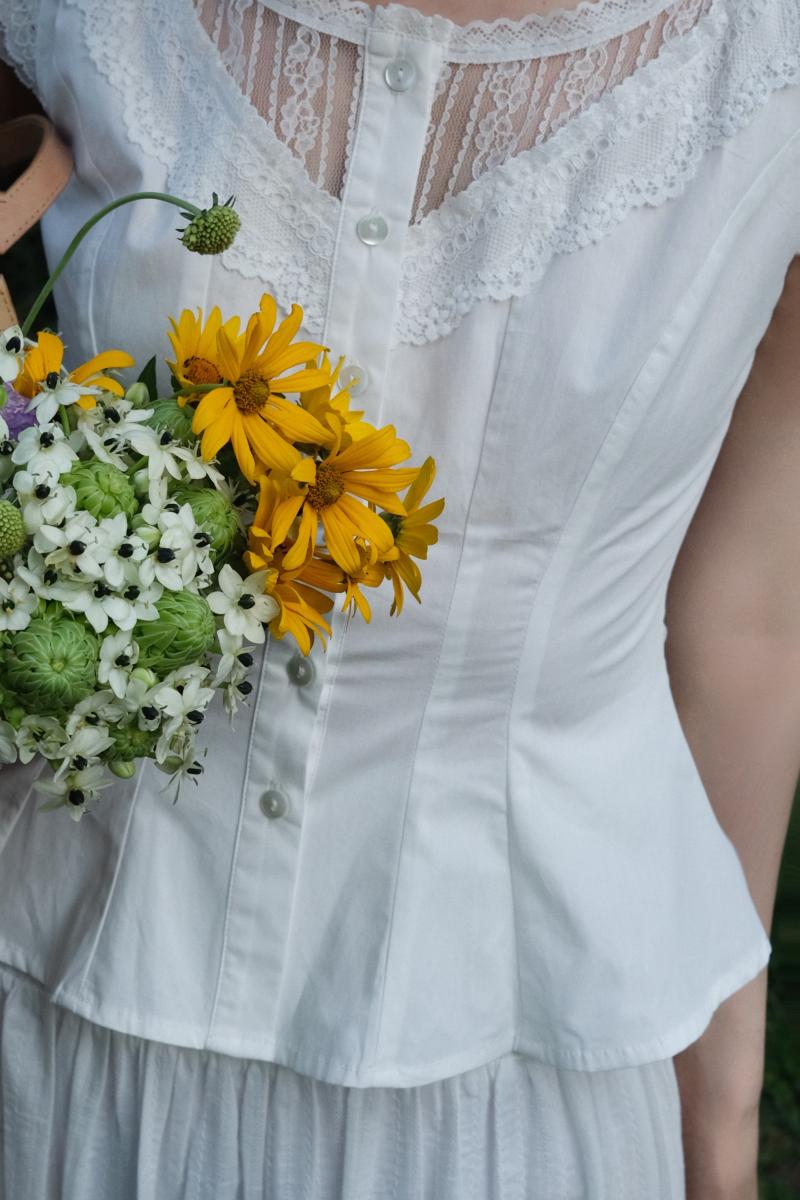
[18, 39]
[593, 171]
[640, 143]
[533, 36]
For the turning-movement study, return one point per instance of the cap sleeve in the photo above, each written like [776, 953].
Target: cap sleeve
[18, 23]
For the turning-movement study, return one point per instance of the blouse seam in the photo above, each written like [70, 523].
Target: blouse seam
[632, 396]
[424, 713]
[235, 853]
[112, 890]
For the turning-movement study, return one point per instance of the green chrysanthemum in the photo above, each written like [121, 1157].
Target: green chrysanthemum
[213, 513]
[12, 530]
[212, 230]
[51, 666]
[101, 489]
[177, 421]
[131, 743]
[184, 631]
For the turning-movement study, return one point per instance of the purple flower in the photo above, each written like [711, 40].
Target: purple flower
[15, 412]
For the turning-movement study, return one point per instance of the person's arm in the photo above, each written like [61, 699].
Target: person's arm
[733, 656]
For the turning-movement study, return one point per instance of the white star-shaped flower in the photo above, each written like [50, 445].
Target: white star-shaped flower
[42, 500]
[39, 735]
[242, 604]
[75, 790]
[12, 345]
[118, 656]
[45, 451]
[83, 748]
[17, 604]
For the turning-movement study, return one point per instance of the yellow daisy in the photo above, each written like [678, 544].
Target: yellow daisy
[334, 410]
[413, 534]
[45, 382]
[335, 491]
[301, 606]
[194, 344]
[249, 409]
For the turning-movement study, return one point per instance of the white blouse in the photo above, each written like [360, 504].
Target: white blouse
[549, 248]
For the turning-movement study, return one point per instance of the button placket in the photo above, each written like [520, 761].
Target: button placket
[291, 704]
[399, 79]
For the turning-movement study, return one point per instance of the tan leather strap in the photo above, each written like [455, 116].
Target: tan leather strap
[32, 139]
[8, 314]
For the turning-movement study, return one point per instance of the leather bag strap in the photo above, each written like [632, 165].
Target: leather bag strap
[31, 139]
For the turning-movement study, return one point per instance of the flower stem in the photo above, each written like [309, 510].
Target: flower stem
[199, 387]
[81, 234]
[64, 415]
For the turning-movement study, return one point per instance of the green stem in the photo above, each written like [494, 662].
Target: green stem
[81, 234]
[65, 425]
[199, 387]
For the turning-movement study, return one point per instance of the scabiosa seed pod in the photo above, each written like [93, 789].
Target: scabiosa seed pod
[52, 665]
[212, 230]
[212, 512]
[12, 530]
[101, 489]
[184, 631]
[177, 421]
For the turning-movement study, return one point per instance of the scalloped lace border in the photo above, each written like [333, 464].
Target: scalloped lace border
[532, 36]
[481, 244]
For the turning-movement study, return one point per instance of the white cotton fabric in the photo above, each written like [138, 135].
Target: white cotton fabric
[88, 1112]
[496, 839]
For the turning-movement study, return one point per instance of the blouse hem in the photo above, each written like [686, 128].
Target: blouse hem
[333, 1071]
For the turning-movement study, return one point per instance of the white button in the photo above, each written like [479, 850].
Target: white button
[372, 229]
[300, 670]
[400, 74]
[354, 377]
[274, 803]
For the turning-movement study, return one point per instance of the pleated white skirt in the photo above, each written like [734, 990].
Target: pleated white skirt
[87, 1113]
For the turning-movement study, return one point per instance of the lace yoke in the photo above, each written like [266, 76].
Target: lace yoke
[543, 132]
[306, 83]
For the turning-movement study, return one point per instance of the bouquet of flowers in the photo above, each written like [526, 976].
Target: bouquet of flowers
[149, 542]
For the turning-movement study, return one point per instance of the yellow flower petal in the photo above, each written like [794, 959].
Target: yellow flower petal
[272, 449]
[211, 407]
[241, 448]
[109, 359]
[282, 336]
[218, 433]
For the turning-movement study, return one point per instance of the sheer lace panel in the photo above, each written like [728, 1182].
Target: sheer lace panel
[305, 84]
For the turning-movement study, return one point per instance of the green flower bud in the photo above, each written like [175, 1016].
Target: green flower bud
[170, 416]
[145, 676]
[147, 533]
[213, 229]
[51, 666]
[122, 770]
[170, 765]
[138, 395]
[101, 489]
[12, 530]
[131, 743]
[184, 631]
[214, 513]
[141, 482]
